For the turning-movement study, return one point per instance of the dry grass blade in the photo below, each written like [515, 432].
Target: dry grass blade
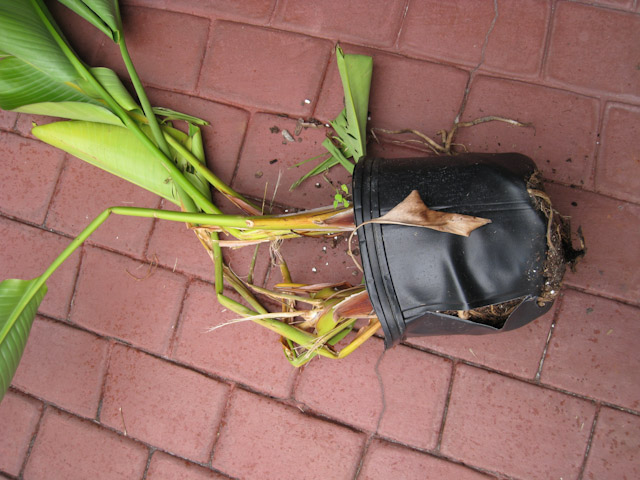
[304, 288]
[262, 316]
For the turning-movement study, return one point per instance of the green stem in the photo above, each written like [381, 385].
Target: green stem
[40, 281]
[142, 96]
[202, 201]
[202, 169]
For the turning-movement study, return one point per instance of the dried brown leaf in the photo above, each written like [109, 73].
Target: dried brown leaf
[413, 212]
[355, 306]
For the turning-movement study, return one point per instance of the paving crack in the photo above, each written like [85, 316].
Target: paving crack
[380, 416]
[483, 51]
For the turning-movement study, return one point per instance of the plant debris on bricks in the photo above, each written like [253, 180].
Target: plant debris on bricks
[105, 125]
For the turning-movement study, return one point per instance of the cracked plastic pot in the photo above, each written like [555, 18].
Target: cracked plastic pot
[424, 282]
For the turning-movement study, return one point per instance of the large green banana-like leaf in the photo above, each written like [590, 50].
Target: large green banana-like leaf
[112, 84]
[18, 305]
[103, 14]
[351, 124]
[25, 89]
[35, 73]
[24, 35]
[111, 148]
[72, 111]
[22, 84]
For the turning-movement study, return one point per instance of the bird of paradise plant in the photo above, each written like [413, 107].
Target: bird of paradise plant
[104, 125]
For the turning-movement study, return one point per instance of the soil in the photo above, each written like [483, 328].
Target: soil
[560, 253]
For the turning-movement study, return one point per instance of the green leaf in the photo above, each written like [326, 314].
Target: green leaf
[193, 143]
[24, 35]
[112, 84]
[317, 170]
[72, 111]
[19, 301]
[35, 72]
[111, 148]
[103, 14]
[351, 124]
[173, 115]
[337, 154]
[23, 84]
[340, 335]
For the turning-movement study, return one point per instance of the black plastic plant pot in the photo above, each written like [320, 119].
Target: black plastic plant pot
[425, 282]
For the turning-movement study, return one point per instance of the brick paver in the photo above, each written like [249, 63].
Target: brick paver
[610, 230]
[281, 71]
[268, 161]
[19, 416]
[561, 140]
[592, 350]
[579, 57]
[243, 352]
[262, 439]
[65, 366]
[84, 192]
[404, 93]
[369, 22]
[252, 11]
[26, 192]
[166, 467]
[618, 168]
[162, 404]
[516, 428]
[386, 460]
[614, 449]
[68, 448]
[517, 352]
[121, 379]
[32, 250]
[162, 60]
[456, 31]
[144, 301]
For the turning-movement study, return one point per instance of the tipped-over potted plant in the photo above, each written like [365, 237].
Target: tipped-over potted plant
[105, 126]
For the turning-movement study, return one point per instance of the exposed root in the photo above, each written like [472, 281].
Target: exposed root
[492, 315]
[150, 269]
[446, 144]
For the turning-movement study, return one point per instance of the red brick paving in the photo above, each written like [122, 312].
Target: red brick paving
[508, 426]
[556, 399]
[77, 203]
[614, 449]
[64, 365]
[384, 460]
[31, 248]
[246, 448]
[578, 56]
[155, 401]
[166, 467]
[592, 350]
[19, 416]
[517, 352]
[256, 360]
[26, 192]
[562, 139]
[141, 310]
[618, 171]
[67, 447]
